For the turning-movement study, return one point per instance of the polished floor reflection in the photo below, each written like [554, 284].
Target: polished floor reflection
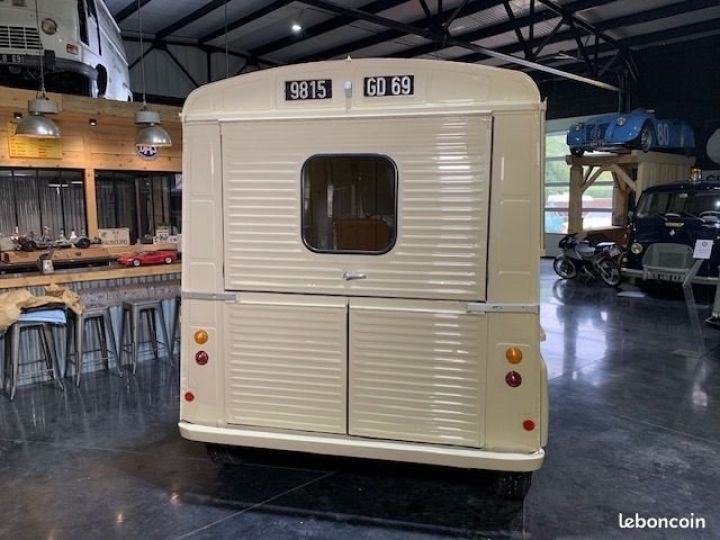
[635, 427]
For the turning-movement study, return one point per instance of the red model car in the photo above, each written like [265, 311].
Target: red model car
[149, 257]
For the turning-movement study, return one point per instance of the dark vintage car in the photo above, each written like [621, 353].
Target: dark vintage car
[638, 129]
[667, 222]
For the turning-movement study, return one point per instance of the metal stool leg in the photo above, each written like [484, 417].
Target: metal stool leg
[49, 344]
[152, 328]
[14, 358]
[107, 319]
[169, 346]
[175, 327]
[69, 355]
[134, 336]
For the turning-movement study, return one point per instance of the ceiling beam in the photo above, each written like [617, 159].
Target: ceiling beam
[190, 18]
[391, 34]
[506, 26]
[242, 21]
[128, 10]
[324, 27]
[433, 35]
[568, 35]
[157, 44]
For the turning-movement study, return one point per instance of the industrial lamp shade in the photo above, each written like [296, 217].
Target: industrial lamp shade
[150, 132]
[36, 124]
[153, 136]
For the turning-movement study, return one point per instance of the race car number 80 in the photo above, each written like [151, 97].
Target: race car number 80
[389, 85]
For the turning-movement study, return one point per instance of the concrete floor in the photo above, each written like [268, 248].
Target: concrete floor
[635, 427]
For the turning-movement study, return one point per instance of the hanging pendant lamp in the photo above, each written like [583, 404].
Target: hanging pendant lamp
[150, 133]
[36, 124]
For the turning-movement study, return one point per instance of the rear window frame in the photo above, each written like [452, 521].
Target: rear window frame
[396, 191]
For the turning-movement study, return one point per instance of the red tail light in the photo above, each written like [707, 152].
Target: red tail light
[513, 379]
[528, 425]
[189, 396]
[201, 357]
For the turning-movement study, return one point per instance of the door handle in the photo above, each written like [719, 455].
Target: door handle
[351, 275]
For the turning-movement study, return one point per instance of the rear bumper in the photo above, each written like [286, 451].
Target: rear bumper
[52, 63]
[339, 445]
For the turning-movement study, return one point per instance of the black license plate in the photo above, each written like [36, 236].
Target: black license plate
[308, 89]
[13, 59]
[389, 85]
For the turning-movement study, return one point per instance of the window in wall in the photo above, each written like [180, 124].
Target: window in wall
[141, 202]
[349, 204]
[597, 200]
[82, 20]
[32, 199]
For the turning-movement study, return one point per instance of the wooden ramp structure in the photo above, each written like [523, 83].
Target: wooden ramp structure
[632, 173]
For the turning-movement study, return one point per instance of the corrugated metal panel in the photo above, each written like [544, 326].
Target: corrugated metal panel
[443, 171]
[286, 362]
[417, 372]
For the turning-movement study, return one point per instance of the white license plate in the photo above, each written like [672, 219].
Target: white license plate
[663, 276]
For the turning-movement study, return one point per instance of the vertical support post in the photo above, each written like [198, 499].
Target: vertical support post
[575, 224]
[91, 204]
[620, 198]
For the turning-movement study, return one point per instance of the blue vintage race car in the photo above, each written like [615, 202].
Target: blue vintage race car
[636, 129]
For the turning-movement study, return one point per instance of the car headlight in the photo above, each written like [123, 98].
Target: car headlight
[620, 120]
[636, 248]
[49, 26]
[578, 127]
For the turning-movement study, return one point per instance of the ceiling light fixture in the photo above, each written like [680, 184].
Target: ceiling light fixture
[36, 124]
[150, 132]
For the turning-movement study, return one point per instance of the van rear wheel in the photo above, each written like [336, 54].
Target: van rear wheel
[513, 485]
[221, 454]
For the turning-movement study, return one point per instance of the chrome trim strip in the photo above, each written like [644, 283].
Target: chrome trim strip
[218, 297]
[480, 307]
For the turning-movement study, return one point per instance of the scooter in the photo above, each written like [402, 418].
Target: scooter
[581, 258]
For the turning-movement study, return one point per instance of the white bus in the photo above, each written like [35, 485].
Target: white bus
[360, 265]
[78, 41]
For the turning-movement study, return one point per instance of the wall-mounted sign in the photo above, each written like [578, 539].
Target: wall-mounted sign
[114, 237]
[148, 153]
[27, 147]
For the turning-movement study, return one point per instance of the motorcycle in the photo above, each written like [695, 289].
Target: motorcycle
[581, 258]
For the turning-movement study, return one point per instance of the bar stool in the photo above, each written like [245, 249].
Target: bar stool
[175, 336]
[100, 318]
[47, 342]
[134, 310]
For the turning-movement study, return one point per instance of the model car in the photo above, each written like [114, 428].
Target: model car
[639, 129]
[149, 257]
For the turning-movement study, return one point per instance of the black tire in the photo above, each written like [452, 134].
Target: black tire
[224, 455]
[577, 152]
[646, 139]
[609, 272]
[136, 263]
[168, 260]
[565, 267]
[83, 243]
[513, 485]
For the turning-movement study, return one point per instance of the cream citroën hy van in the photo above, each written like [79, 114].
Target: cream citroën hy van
[360, 264]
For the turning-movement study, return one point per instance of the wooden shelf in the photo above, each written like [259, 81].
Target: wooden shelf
[66, 276]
